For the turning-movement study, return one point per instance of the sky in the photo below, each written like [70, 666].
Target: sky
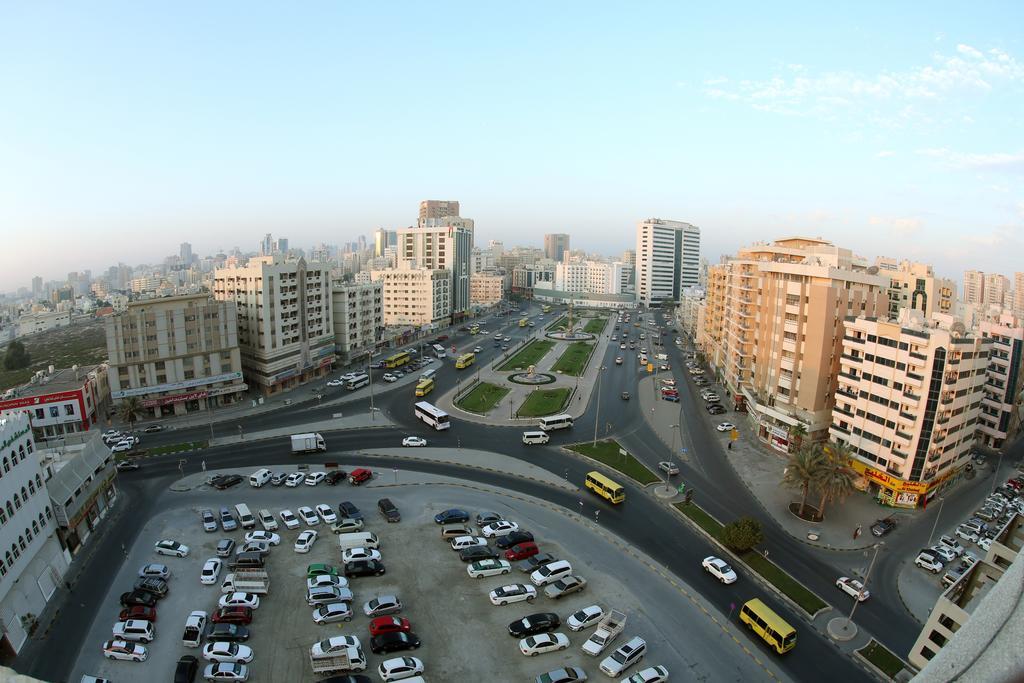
[127, 128]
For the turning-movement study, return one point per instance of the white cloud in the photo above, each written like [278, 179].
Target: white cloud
[885, 154]
[1012, 162]
[898, 227]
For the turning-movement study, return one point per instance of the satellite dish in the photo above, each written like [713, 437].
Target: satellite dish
[958, 329]
[872, 270]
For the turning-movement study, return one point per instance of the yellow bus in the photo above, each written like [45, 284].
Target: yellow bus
[396, 360]
[524, 322]
[474, 329]
[605, 487]
[772, 628]
[546, 309]
[465, 360]
[424, 387]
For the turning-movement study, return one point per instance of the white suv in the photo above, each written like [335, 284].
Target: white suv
[929, 562]
[550, 573]
[624, 657]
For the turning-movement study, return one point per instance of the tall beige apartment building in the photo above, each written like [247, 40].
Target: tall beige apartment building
[442, 244]
[358, 313]
[999, 420]
[1018, 295]
[285, 321]
[415, 296]
[974, 287]
[486, 289]
[914, 285]
[556, 246]
[437, 209]
[774, 327]
[997, 290]
[176, 354]
[908, 402]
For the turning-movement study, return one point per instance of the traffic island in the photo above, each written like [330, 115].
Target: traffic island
[483, 398]
[610, 453]
[531, 354]
[541, 402]
[573, 360]
[882, 659]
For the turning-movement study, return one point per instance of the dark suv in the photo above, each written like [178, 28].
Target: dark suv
[388, 510]
[186, 670]
[883, 526]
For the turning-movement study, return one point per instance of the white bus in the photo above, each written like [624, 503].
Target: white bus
[439, 351]
[435, 417]
[555, 422]
[428, 374]
[360, 380]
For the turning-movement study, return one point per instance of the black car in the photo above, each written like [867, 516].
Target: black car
[225, 481]
[334, 476]
[152, 584]
[509, 540]
[532, 564]
[229, 632]
[364, 568]
[347, 509]
[389, 510]
[716, 409]
[883, 526]
[477, 552]
[542, 622]
[144, 598]
[394, 642]
[186, 670]
[451, 517]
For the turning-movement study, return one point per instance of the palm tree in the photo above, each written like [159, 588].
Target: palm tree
[130, 410]
[836, 477]
[797, 433]
[803, 470]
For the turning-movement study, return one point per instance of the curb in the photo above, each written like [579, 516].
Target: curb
[601, 465]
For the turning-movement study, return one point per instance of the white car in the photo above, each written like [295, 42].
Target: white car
[414, 441]
[263, 537]
[332, 612]
[499, 528]
[985, 543]
[172, 548]
[399, 669]
[854, 588]
[478, 349]
[239, 600]
[124, 650]
[624, 657]
[211, 572]
[353, 554]
[652, 674]
[482, 568]
[966, 535]
[334, 644]
[463, 542]
[221, 651]
[669, 468]
[308, 516]
[314, 478]
[336, 383]
[326, 513]
[943, 552]
[584, 618]
[515, 592]
[928, 562]
[725, 426]
[549, 573]
[388, 377]
[289, 520]
[543, 642]
[305, 541]
[321, 580]
[226, 671]
[294, 479]
[719, 569]
[111, 435]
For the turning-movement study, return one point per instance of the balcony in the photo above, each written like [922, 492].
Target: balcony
[918, 356]
[846, 392]
[853, 359]
[850, 376]
[844, 430]
[943, 418]
[855, 340]
[907, 416]
[903, 435]
[951, 379]
[911, 395]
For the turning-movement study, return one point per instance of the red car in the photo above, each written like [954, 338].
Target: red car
[233, 615]
[359, 475]
[521, 551]
[389, 625]
[138, 612]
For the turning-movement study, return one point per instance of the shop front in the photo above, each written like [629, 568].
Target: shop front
[895, 492]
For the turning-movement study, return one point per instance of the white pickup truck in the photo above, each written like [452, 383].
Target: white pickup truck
[347, 660]
[608, 629]
[246, 581]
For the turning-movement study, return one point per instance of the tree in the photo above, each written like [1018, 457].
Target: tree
[743, 534]
[130, 410]
[803, 471]
[16, 356]
[835, 479]
[798, 433]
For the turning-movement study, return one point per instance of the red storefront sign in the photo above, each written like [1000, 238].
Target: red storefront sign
[178, 398]
[41, 399]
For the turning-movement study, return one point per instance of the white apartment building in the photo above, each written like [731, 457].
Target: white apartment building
[30, 323]
[415, 296]
[32, 563]
[525, 277]
[908, 402]
[1018, 295]
[974, 287]
[689, 310]
[441, 245]
[595, 277]
[914, 285]
[358, 318]
[997, 290]
[667, 259]
[486, 289]
[285, 319]
[999, 419]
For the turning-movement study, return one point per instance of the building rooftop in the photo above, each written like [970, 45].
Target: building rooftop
[65, 379]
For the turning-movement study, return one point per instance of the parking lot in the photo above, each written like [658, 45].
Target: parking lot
[464, 636]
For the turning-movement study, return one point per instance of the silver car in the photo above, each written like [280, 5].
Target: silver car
[327, 594]
[382, 605]
[332, 612]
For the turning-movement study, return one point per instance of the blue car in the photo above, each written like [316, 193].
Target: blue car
[451, 517]
[670, 397]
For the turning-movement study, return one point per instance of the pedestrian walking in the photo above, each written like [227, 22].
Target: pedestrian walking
[204, 465]
[856, 532]
[729, 445]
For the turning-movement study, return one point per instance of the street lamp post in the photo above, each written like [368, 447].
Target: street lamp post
[673, 451]
[995, 475]
[865, 582]
[936, 524]
[369, 370]
[597, 413]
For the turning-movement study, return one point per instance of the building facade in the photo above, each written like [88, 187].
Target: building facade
[441, 245]
[595, 277]
[437, 209]
[999, 420]
[667, 259]
[908, 402]
[915, 286]
[974, 287]
[486, 289]
[997, 290]
[358, 319]
[556, 246]
[41, 321]
[62, 402]
[525, 277]
[415, 296]
[689, 311]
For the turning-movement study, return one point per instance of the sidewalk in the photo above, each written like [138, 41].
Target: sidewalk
[357, 421]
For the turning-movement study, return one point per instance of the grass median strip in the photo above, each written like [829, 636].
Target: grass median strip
[886, 661]
[543, 402]
[768, 570]
[607, 453]
[176, 448]
[596, 325]
[558, 323]
[482, 398]
[530, 354]
[573, 360]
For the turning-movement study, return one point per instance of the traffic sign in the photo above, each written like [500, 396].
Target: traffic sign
[650, 367]
[682, 487]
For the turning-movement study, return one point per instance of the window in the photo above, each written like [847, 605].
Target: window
[69, 408]
[21, 542]
[54, 411]
[40, 414]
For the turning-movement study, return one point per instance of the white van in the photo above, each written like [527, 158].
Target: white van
[245, 517]
[428, 374]
[555, 422]
[362, 539]
[357, 381]
[267, 520]
[259, 478]
[535, 437]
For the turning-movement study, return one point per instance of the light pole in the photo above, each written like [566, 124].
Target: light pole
[936, 524]
[995, 475]
[865, 582]
[209, 410]
[369, 370]
[597, 413]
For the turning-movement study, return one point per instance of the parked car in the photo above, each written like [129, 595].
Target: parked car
[652, 674]
[308, 516]
[227, 632]
[210, 572]
[347, 525]
[389, 624]
[484, 568]
[354, 554]
[227, 520]
[515, 592]
[141, 598]
[531, 646]
[928, 562]
[499, 528]
[172, 548]
[125, 651]
[294, 479]
[624, 656]
[365, 568]
[569, 674]
[225, 547]
[531, 564]
[325, 513]
[225, 481]
[223, 651]
[521, 551]
[485, 518]
[725, 426]
[186, 669]
[304, 543]
[584, 618]
[154, 571]
[542, 622]
[883, 526]
[209, 521]
[453, 516]
[332, 612]
[399, 668]
[513, 538]
[226, 671]
[335, 476]
[394, 642]
[232, 615]
[565, 586]
[138, 613]
[239, 600]
[321, 569]
[480, 552]
[382, 605]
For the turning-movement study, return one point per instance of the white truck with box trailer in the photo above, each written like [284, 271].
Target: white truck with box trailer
[308, 443]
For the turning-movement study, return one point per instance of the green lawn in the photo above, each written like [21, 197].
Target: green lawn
[573, 360]
[176, 448]
[558, 323]
[543, 402]
[482, 398]
[771, 572]
[607, 453]
[876, 653]
[528, 355]
[595, 325]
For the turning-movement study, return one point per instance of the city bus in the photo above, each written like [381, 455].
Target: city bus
[428, 374]
[424, 387]
[545, 309]
[435, 417]
[772, 628]
[474, 329]
[439, 351]
[399, 359]
[356, 381]
[605, 487]
[524, 322]
[465, 360]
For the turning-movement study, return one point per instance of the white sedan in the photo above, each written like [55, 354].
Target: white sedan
[314, 478]
[399, 668]
[332, 613]
[463, 542]
[725, 426]
[263, 536]
[854, 588]
[353, 554]
[322, 580]
[308, 516]
[239, 600]
[326, 513]
[388, 377]
[334, 644]
[122, 649]
[478, 349]
[305, 541]
[719, 569]
[515, 592]
[211, 572]
[652, 674]
[482, 568]
[581, 619]
[499, 529]
[336, 383]
[294, 479]
[289, 520]
[169, 547]
[414, 441]
[543, 642]
[221, 651]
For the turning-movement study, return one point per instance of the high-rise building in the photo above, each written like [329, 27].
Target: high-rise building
[267, 245]
[439, 245]
[415, 296]
[915, 286]
[437, 209]
[285, 321]
[999, 419]
[382, 239]
[1018, 294]
[667, 259]
[282, 245]
[974, 287]
[596, 277]
[486, 289]
[358, 318]
[909, 394]
[996, 289]
[37, 287]
[185, 253]
[556, 246]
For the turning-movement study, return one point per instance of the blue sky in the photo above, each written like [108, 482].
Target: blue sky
[127, 128]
